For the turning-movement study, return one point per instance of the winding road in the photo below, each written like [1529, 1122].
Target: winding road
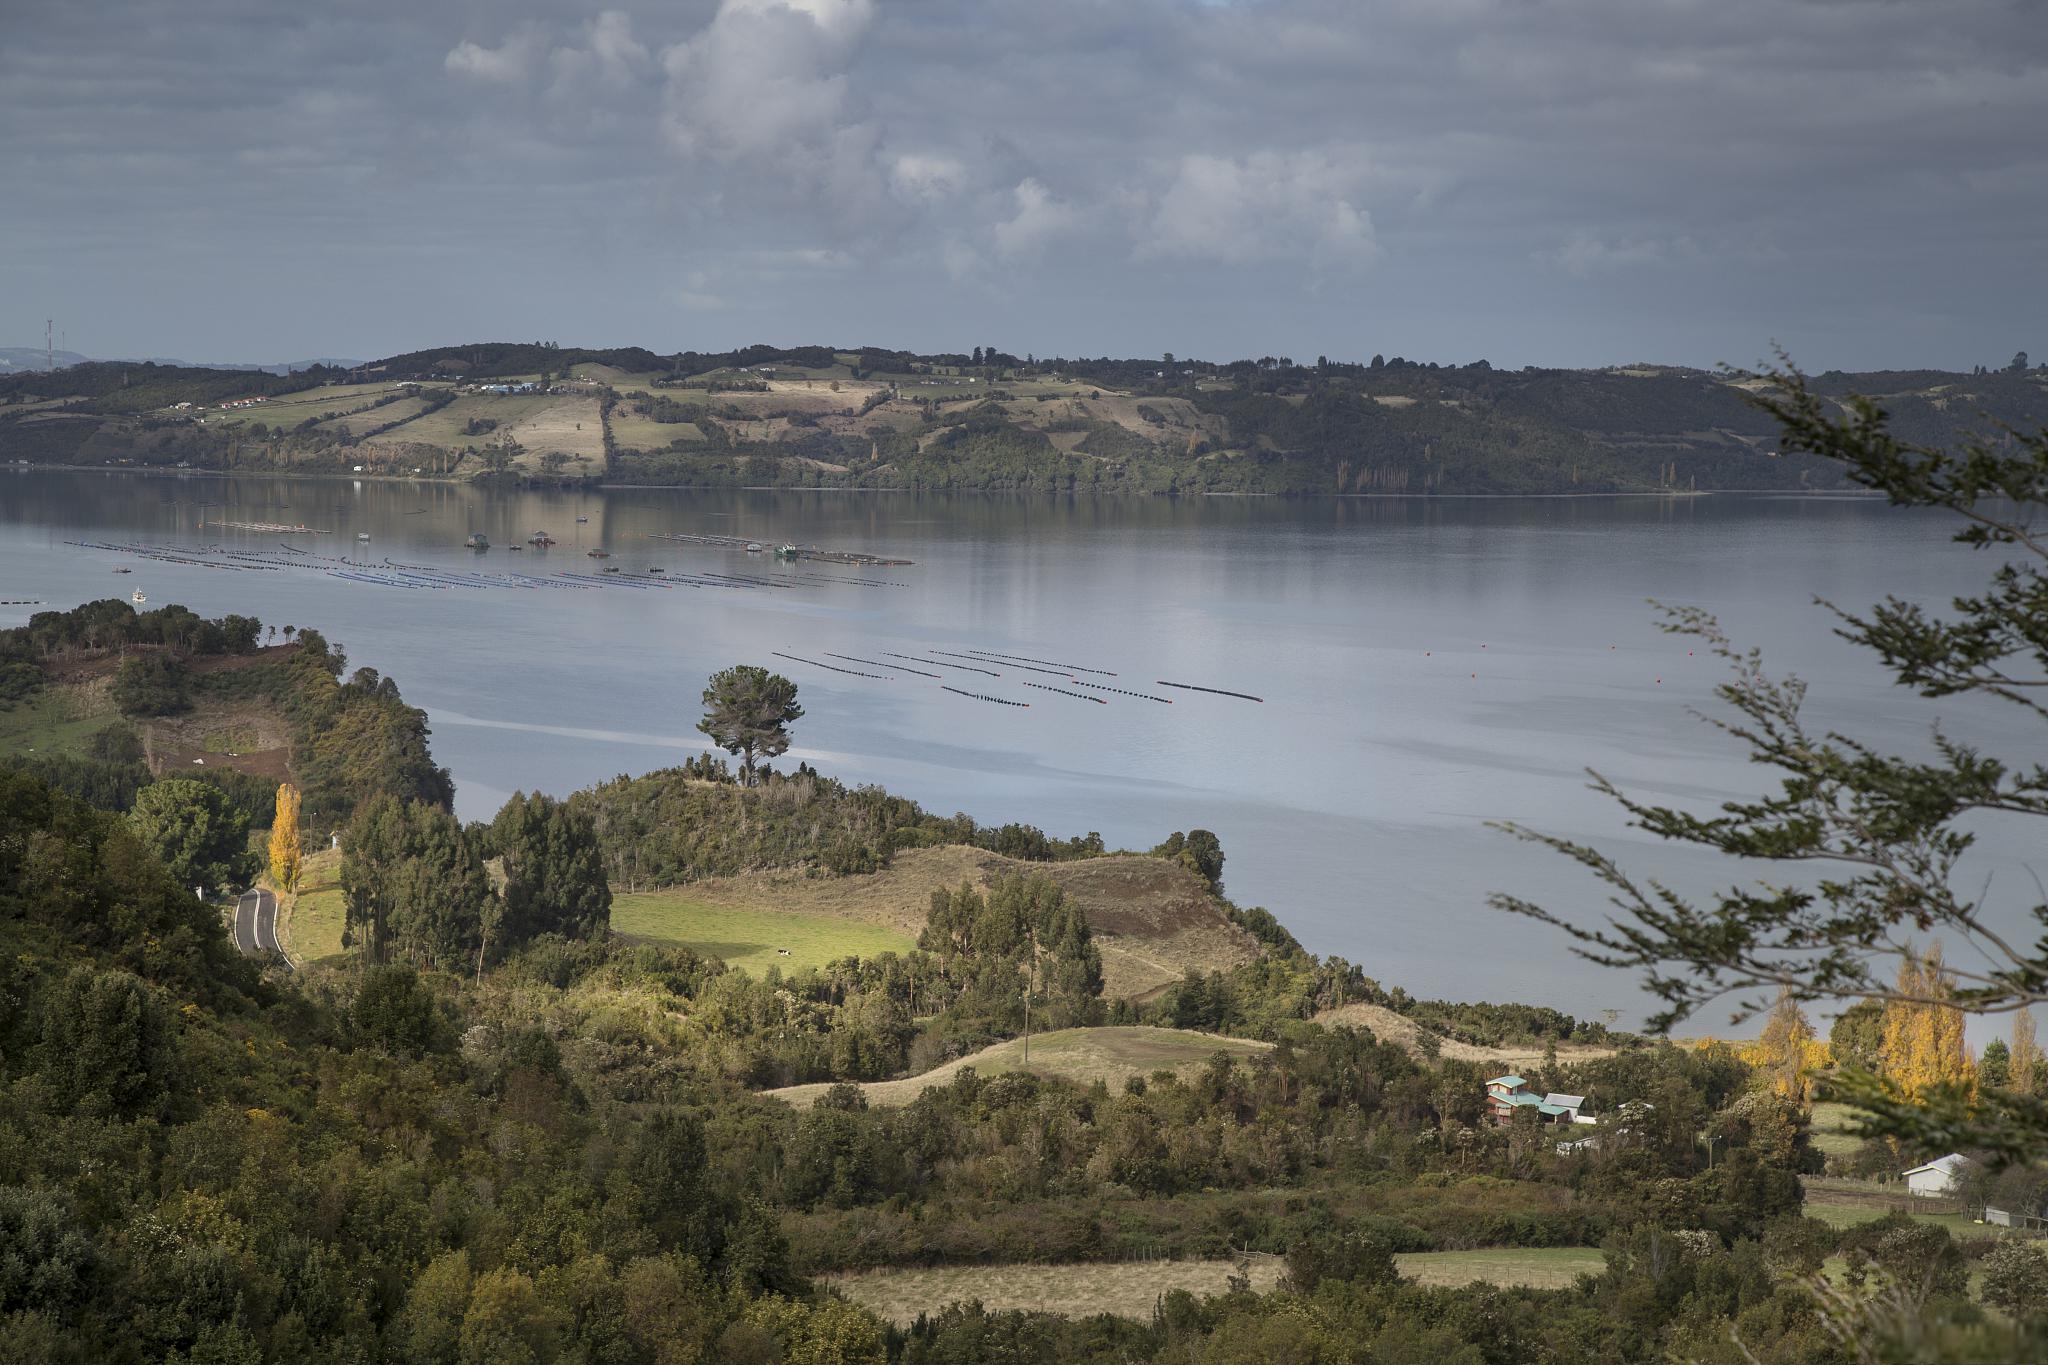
[256, 924]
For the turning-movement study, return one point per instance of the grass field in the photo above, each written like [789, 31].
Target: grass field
[445, 427]
[1152, 919]
[1845, 1203]
[573, 426]
[1132, 1289]
[291, 409]
[748, 938]
[364, 419]
[1520, 1267]
[633, 431]
[55, 720]
[1084, 1055]
[1828, 1123]
[311, 930]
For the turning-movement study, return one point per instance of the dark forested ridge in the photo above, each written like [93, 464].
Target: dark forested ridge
[816, 416]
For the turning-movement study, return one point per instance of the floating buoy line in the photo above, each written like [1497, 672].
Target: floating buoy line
[1027, 659]
[983, 696]
[1141, 696]
[965, 668]
[850, 672]
[878, 664]
[1191, 687]
[1083, 696]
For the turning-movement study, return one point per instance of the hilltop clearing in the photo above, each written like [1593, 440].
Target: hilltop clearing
[1390, 1027]
[1153, 920]
[1082, 1055]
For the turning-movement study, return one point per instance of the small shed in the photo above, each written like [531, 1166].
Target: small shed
[1938, 1177]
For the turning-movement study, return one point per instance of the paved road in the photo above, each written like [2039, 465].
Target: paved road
[256, 924]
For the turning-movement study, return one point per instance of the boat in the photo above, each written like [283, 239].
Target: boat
[540, 538]
[755, 547]
[611, 568]
[362, 535]
[124, 571]
[137, 596]
[478, 541]
[581, 520]
[654, 568]
[786, 552]
[599, 554]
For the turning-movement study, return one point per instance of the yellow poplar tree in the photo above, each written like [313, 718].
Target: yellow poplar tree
[284, 839]
[2025, 1072]
[1787, 1051]
[1923, 1038]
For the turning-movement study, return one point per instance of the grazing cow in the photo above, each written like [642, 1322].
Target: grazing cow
[782, 952]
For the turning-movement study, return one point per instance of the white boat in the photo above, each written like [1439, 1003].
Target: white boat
[137, 596]
[362, 535]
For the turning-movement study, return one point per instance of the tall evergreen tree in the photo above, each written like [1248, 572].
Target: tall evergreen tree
[748, 711]
[554, 870]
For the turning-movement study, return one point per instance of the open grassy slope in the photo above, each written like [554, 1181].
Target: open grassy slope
[1396, 1028]
[309, 925]
[1083, 1055]
[1153, 920]
[1133, 1289]
[749, 937]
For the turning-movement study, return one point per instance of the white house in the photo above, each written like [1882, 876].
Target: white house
[1938, 1177]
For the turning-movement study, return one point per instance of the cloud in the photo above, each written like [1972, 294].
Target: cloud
[1870, 170]
[927, 178]
[610, 56]
[509, 63]
[764, 79]
[1265, 206]
[1040, 217]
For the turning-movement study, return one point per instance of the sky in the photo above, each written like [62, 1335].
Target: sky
[1556, 182]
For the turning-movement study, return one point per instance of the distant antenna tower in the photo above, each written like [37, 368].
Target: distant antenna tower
[49, 349]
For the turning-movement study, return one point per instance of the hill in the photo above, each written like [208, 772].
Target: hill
[1153, 920]
[1082, 1055]
[104, 699]
[813, 416]
[1390, 1027]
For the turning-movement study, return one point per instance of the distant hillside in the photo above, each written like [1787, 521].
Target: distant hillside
[17, 359]
[814, 416]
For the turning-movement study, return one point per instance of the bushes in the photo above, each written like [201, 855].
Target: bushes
[151, 685]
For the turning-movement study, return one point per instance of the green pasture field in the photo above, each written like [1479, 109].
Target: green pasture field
[749, 938]
[54, 720]
[444, 428]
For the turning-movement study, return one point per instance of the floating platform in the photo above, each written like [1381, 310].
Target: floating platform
[810, 552]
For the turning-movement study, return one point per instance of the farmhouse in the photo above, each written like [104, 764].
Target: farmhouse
[1937, 1177]
[1506, 1094]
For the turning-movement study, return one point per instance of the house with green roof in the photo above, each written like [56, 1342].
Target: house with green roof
[1505, 1095]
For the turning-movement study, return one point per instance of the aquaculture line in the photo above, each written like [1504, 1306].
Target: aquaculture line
[1244, 696]
[850, 672]
[983, 696]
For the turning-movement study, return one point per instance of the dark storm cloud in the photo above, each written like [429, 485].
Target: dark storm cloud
[1578, 182]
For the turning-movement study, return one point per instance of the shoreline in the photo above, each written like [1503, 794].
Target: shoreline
[440, 481]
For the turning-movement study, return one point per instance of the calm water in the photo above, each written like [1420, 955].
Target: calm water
[1426, 666]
